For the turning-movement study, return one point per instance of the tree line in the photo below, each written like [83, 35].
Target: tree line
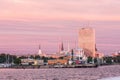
[8, 58]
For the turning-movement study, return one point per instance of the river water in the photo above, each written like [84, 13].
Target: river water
[60, 73]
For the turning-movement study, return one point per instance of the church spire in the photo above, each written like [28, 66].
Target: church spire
[62, 47]
[39, 52]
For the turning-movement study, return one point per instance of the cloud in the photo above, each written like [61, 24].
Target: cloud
[44, 10]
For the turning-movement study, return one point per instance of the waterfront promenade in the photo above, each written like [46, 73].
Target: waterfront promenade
[60, 73]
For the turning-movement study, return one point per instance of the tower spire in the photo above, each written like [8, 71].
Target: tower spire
[39, 52]
[62, 47]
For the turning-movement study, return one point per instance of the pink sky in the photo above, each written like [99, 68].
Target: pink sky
[24, 24]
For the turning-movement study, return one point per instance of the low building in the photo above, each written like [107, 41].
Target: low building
[80, 56]
[117, 53]
[29, 61]
[57, 61]
[99, 55]
[38, 62]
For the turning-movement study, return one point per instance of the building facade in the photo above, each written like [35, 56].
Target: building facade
[87, 41]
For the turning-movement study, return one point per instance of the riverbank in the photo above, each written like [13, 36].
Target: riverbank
[52, 66]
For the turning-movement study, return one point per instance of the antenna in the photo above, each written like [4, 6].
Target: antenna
[58, 47]
[75, 45]
[68, 46]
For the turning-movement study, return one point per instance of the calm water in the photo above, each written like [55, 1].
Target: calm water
[60, 74]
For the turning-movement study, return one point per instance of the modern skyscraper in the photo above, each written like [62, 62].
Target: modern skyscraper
[87, 41]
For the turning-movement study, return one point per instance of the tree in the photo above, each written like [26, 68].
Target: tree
[32, 57]
[22, 57]
[118, 59]
[2, 58]
[37, 57]
[89, 59]
[44, 58]
[51, 58]
[108, 60]
[95, 60]
[17, 61]
[61, 57]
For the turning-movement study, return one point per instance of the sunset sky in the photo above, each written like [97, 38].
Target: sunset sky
[24, 24]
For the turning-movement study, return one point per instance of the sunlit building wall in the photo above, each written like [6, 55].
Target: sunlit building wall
[87, 41]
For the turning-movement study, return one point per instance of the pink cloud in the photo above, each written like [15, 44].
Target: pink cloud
[52, 10]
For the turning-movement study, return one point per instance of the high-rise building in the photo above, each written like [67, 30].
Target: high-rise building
[87, 41]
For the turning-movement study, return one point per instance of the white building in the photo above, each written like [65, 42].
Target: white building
[29, 61]
[40, 53]
[80, 55]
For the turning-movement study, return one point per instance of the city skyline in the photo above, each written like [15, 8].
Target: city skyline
[24, 24]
